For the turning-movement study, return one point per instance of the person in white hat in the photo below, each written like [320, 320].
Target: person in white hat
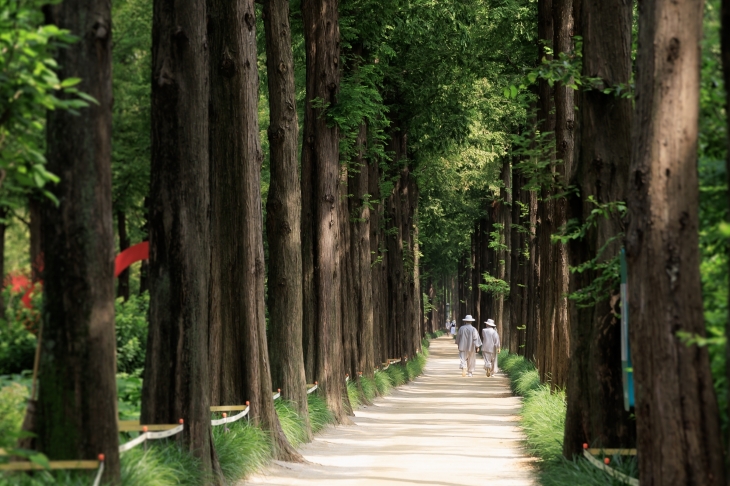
[490, 347]
[468, 341]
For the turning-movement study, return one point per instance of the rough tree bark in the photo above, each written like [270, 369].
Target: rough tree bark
[123, 279]
[725, 49]
[506, 254]
[77, 402]
[283, 214]
[176, 380]
[677, 417]
[320, 159]
[238, 344]
[564, 150]
[361, 246]
[595, 404]
[36, 236]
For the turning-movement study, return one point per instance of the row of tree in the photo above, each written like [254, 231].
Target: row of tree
[342, 254]
[591, 172]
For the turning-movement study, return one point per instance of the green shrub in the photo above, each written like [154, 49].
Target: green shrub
[543, 420]
[17, 342]
[162, 464]
[131, 326]
[397, 374]
[243, 449]
[291, 422]
[368, 387]
[383, 382]
[13, 395]
[353, 394]
[129, 395]
[319, 415]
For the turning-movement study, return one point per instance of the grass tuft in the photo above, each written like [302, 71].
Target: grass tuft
[397, 374]
[543, 419]
[291, 422]
[319, 415]
[383, 383]
[244, 449]
[160, 465]
[353, 394]
[369, 389]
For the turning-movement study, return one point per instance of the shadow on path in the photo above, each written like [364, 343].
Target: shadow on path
[441, 429]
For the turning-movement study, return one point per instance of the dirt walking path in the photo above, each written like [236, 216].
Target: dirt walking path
[440, 429]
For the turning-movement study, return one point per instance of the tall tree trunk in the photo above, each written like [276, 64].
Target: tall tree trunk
[725, 48]
[677, 418]
[506, 273]
[596, 412]
[123, 279]
[361, 241]
[377, 264]
[484, 307]
[320, 156]
[176, 381]
[565, 145]
[532, 289]
[238, 343]
[476, 275]
[283, 214]
[77, 402]
[3, 228]
[517, 282]
[36, 235]
[348, 292]
[542, 318]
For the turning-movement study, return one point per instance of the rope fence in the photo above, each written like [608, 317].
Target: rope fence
[604, 466]
[152, 432]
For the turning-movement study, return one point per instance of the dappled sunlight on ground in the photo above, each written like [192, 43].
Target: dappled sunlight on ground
[440, 429]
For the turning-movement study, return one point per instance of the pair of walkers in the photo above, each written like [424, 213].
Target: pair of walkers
[469, 343]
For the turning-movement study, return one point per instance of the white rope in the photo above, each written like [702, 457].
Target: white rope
[99, 472]
[611, 471]
[144, 436]
[277, 395]
[228, 420]
[310, 390]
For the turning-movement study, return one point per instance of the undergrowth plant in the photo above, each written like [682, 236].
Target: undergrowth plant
[543, 420]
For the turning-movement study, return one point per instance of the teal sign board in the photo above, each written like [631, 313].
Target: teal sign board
[626, 366]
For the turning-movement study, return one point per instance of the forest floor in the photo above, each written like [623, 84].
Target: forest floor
[440, 429]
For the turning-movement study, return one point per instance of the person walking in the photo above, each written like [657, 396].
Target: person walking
[490, 347]
[469, 342]
[453, 328]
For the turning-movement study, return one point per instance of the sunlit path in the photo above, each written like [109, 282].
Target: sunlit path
[441, 429]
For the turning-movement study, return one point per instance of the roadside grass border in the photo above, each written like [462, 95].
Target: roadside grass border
[242, 448]
[543, 420]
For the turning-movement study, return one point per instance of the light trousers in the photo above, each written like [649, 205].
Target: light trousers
[467, 360]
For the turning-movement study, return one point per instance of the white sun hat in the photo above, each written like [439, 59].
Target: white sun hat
[468, 318]
[490, 322]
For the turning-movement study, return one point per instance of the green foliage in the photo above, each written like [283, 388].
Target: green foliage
[132, 65]
[13, 395]
[319, 415]
[606, 270]
[243, 449]
[291, 422]
[163, 463]
[369, 388]
[131, 326]
[28, 87]
[353, 394]
[17, 347]
[129, 395]
[382, 382]
[713, 205]
[543, 420]
[494, 286]
[397, 374]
